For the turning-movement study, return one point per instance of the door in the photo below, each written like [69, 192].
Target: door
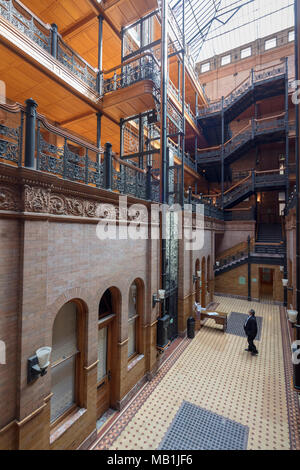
[266, 283]
[104, 375]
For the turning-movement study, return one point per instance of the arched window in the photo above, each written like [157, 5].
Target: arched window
[65, 361]
[133, 318]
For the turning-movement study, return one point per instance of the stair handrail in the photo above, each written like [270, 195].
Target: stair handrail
[254, 72]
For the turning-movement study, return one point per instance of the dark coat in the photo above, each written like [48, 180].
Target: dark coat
[251, 327]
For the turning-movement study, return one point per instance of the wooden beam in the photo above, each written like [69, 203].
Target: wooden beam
[78, 25]
[98, 10]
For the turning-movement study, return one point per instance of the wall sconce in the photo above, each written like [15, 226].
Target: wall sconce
[158, 298]
[292, 316]
[285, 283]
[281, 268]
[38, 364]
[197, 278]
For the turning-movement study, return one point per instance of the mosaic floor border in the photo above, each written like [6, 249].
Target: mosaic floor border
[105, 441]
[292, 396]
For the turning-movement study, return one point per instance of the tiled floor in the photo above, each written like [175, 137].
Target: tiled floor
[213, 372]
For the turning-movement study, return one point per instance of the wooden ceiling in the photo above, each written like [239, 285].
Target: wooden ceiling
[125, 12]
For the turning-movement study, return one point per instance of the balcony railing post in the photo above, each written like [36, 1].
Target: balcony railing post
[86, 172]
[149, 182]
[190, 195]
[31, 106]
[54, 40]
[108, 165]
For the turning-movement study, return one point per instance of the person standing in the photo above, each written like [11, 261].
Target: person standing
[250, 328]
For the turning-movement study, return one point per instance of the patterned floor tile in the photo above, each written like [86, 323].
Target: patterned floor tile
[214, 373]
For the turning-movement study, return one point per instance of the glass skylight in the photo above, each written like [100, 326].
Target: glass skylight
[214, 27]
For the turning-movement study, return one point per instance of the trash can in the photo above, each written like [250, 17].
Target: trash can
[296, 366]
[191, 327]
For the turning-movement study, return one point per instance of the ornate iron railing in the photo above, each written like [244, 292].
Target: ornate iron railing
[243, 88]
[252, 130]
[174, 91]
[11, 135]
[143, 67]
[48, 38]
[188, 160]
[76, 64]
[292, 200]
[23, 19]
[67, 156]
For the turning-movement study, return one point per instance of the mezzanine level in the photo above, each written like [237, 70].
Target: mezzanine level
[27, 139]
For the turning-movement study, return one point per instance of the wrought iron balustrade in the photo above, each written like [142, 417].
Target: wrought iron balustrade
[243, 88]
[11, 135]
[292, 200]
[19, 16]
[174, 91]
[252, 130]
[76, 64]
[48, 38]
[145, 67]
[67, 156]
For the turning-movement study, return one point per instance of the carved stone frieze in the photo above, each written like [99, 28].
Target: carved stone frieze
[36, 199]
[9, 199]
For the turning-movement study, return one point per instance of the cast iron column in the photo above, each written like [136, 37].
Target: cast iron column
[31, 106]
[108, 165]
[286, 119]
[183, 102]
[222, 153]
[297, 64]
[100, 50]
[249, 268]
[163, 134]
[54, 40]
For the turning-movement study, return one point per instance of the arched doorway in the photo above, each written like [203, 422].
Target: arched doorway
[109, 308]
[197, 286]
[203, 283]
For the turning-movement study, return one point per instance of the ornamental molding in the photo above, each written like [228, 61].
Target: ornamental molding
[9, 199]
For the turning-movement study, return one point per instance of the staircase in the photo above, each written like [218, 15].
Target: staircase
[269, 233]
[256, 181]
[259, 85]
[270, 129]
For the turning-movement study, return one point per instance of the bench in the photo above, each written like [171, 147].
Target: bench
[220, 318]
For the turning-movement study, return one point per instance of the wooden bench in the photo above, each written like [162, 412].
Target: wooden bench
[220, 318]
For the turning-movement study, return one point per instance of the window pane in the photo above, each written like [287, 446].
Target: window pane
[131, 338]
[245, 52]
[62, 387]
[64, 341]
[270, 43]
[226, 60]
[102, 353]
[291, 36]
[205, 67]
[132, 301]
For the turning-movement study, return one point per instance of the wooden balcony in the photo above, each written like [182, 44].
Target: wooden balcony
[131, 88]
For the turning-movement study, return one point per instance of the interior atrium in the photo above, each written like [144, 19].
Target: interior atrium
[149, 224]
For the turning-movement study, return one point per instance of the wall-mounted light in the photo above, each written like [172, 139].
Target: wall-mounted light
[285, 283]
[197, 277]
[158, 298]
[292, 316]
[38, 364]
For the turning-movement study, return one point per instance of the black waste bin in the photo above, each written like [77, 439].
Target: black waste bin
[296, 366]
[191, 327]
